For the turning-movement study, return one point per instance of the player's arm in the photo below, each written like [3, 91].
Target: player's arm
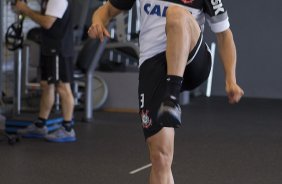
[227, 52]
[100, 20]
[45, 21]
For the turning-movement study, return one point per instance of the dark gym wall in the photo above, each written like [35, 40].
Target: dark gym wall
[1, 41]
[257, 30]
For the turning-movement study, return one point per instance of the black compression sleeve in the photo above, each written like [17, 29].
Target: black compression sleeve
[122, 4]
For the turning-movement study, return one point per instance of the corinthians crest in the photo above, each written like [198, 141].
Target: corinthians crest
[146, 120]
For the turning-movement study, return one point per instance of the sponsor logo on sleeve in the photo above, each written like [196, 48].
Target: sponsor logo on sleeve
[217, 6]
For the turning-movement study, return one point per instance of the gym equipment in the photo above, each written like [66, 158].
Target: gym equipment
[11, 138]
[87, 62]
[100, 48]
[12, 125]
[88, 88]
[124, 34]
[79, 18]
[15, 42]
[4, 136]
[90, 80]
[120, 48]
[14, 35]
[99, 95]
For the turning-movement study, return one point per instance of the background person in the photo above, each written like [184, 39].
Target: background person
[56, 65]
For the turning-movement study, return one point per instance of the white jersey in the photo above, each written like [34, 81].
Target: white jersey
[152, 36]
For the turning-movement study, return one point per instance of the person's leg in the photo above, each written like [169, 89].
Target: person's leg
[47, 99]
[47, 65]
[66, 133]
[63, 87]
[160, 140]
[161, 147]
[67, 101]
[182, 32]
[38, 128]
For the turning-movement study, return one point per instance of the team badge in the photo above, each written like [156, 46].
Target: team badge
[187, 1]
[146, 120]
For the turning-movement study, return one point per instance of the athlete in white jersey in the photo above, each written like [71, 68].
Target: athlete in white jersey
[173, 58]
[152, 26]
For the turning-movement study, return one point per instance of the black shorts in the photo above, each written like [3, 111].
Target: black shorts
[56, 68]
[152, 83]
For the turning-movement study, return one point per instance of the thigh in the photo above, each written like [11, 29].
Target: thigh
[180, 18]
[198, 66]
[64, 88]
[162, 142]
[152, 84]
[47, 68]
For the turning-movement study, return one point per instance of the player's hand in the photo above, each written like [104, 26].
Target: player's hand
[234, 93]
[99, 31]
[21, 6]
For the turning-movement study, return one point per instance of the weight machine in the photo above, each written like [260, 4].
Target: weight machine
[13, 37]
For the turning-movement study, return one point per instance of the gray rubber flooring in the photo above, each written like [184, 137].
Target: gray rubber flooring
[218, 144]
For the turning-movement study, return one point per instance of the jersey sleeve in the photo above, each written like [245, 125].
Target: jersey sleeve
[56, 8]
[122, 4]
[216, 15]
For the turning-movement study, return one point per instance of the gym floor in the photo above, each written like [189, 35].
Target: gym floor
[218, 144]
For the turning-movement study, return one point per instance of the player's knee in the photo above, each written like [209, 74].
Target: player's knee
[64, 90]
[161, 160]
[46, 87]
[43, 84]
[176, 16]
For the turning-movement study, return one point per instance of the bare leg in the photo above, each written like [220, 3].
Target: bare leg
[161, 147]
[38, 128]
[182, 32]
[47, 99]
[182, 35]
[67, 100]
[66, 132]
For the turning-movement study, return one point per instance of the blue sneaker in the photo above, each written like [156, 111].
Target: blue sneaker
[32, 131]
[61, 135]
[169, 114]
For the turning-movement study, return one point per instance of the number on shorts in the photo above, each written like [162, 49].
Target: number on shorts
[142, 100]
